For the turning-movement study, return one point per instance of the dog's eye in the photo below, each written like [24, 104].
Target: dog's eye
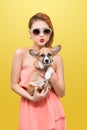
[49, 54]
[42, 55]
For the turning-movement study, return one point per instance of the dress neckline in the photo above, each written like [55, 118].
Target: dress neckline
[27, 67]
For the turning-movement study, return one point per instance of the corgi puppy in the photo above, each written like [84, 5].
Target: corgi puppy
[44, 62]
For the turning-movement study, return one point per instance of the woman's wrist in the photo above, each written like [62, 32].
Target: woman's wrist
[31, 98]
[53, 78]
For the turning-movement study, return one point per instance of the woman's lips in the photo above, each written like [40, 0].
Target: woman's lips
[41, 40]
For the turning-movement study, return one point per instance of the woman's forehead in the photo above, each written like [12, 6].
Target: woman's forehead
[39, 24]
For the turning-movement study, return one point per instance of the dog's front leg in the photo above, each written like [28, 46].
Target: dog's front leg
[38, 65]
[49, 73]
[41, 66]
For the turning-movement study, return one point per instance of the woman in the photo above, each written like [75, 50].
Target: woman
[42, 111]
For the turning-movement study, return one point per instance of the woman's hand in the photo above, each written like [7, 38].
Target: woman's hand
[39, 96]
[57, 79]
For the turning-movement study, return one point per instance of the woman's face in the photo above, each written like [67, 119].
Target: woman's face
[40, 33]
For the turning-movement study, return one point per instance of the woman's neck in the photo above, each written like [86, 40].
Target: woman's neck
[37, 47]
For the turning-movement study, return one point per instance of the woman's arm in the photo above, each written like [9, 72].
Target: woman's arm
[58, 83]
[15, 74]
[15, 78]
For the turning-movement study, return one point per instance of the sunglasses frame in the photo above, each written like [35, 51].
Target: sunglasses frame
[41, 31]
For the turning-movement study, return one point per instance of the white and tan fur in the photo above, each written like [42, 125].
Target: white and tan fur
[44, 62]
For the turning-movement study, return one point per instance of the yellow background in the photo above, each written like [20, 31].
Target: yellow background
[69, 18]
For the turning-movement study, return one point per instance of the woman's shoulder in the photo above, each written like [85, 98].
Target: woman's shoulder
[58, 58]
[21, 51]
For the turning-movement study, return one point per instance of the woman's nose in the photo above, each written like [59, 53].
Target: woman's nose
[41, 34]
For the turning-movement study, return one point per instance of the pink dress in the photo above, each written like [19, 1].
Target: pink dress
[46, 114]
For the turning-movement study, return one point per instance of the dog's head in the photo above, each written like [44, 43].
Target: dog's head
[45, 55]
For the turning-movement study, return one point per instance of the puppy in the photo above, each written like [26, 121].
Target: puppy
[43, 62]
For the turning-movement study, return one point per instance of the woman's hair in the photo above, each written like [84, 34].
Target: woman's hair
[45, 18]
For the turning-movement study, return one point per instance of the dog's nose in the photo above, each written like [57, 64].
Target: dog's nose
[46, 61]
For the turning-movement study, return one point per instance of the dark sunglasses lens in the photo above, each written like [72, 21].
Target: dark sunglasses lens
[47, 31]
[36, 31]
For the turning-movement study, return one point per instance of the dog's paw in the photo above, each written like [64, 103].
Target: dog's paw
[33, 84]
[49, 73]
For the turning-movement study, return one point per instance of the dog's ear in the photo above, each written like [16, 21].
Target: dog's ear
[34, 53]
[56, 49]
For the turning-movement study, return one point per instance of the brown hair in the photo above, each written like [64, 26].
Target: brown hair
[46, 18]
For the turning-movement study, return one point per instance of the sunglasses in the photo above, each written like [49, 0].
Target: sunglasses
[45, 31]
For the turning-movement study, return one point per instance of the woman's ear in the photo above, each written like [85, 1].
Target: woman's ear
[30, 34]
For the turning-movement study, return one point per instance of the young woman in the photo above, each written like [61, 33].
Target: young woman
[42, 111]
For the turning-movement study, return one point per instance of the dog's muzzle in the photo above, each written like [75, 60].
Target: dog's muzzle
[47, 60]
